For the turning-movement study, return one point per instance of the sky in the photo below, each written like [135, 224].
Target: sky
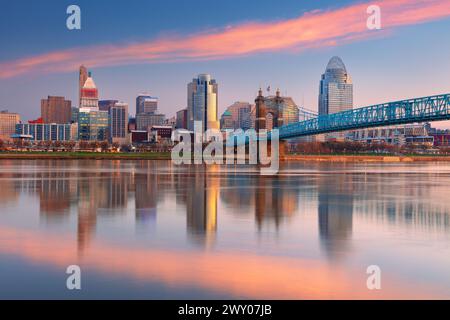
[158, 47]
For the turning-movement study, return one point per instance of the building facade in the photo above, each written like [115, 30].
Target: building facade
[146, 120]
[203, 103]
[181, 119]
[56, 110]
[48, 131]
[409, 134]
[241, 115]
[146, 104]
[8, 123]
[93, 125]
[118, 123]
[106, 105]
[89, 95]
[226, 121]
[336, 88]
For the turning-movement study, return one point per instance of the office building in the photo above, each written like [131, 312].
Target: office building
[336, 88]
[146, 104]
[203, 102]
[241, 115]
[56, 110]
[8, 123]
[335, 93]
[181, 119]
[146, 120]
[47, 131]
[226, 121]
[106, 105]
[118, 123]
[93, 125]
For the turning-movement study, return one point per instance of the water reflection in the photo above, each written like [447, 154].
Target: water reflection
[334, 203]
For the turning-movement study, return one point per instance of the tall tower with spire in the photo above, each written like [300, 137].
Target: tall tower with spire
[83, 75]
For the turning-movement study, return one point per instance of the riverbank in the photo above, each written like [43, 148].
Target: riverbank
[365, 158]
[85, 155]
[167, 156]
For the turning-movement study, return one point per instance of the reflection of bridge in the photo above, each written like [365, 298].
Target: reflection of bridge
[434, 108]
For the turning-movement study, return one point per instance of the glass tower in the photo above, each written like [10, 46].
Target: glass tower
[203, 102]
[336, 88]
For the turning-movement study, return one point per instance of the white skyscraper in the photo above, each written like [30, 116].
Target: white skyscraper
[203, 102]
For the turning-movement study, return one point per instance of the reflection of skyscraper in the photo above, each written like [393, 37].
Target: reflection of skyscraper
[335, 211]
[145, 197]
[272, 201]
[55, 192]
[201, 205]
[203, 102]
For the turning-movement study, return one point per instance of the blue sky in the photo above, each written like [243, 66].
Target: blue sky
[410, 60]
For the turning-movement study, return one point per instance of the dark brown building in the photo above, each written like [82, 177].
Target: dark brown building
[56, 110]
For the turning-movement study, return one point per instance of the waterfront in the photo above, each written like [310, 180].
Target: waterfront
[147, 229]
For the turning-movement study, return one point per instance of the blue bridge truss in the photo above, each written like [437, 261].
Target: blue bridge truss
[433, 108]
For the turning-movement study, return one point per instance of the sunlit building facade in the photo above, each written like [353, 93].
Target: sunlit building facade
[56, 110]
[203, 102]
[8, 123]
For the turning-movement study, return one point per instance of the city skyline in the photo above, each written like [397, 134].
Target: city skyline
[296, 70]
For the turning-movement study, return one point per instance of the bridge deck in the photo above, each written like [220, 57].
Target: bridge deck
[433, 108]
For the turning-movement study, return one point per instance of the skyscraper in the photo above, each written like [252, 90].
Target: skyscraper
[336, 88]
[146, 104]
[56, 110]
[89, 95]
[203, 102]
[335, 92]
[118, 123]
[83, 75]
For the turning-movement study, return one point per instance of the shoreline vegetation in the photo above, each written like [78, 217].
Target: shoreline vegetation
[167, 156]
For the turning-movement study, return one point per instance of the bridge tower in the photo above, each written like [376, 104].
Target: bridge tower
[263, 109]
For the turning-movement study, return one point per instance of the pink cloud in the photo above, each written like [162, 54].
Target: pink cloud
[314, 29]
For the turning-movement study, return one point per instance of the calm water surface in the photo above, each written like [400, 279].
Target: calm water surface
[148, 229]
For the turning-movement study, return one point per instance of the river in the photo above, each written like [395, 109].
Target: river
[152, 230]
